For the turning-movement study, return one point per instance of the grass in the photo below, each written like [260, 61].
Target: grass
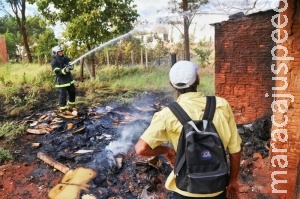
[21, 86]
[11, 130]
[17, 78]
[20, 78]
[5, 155]
[135, 78]
[207, 83]
[21, 74]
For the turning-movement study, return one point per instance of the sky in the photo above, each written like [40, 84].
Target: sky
[217, 11]
[148, 9]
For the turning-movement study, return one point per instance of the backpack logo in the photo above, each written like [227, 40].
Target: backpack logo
[208, 173]
[205, 155]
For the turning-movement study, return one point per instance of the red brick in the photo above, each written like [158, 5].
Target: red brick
[243, 59]
[3, 50]
[239, 90]
[225, 68]
[220, 78]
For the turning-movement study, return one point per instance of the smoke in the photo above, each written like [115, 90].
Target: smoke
[128, 137]
[141, 112]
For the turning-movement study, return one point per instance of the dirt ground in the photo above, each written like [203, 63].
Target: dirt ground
[28, 177]
[18, 179]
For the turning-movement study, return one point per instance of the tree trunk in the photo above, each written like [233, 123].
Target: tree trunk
[146, 54]
[93, 65]
[107, 57]
[93, 71]
[186, 30]
[21, 6]
[132, 58]
[142, 56]
[24, 31]
[81, 69]
[26, 45]
[89, 70]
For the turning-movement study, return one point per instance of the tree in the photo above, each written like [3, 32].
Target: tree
[35, 29]
[245, 6]
[42, 48]
[186, 9]
[90, 23]
[18, 8]
[10, 39]
[204, 51]
[7, 23]
[36, 25]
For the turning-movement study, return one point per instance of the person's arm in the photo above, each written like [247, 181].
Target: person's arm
[56, 68]
[142, 148]
[232, 189]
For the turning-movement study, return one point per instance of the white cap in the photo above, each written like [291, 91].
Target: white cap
[184, 72]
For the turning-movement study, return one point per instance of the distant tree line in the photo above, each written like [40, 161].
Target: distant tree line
[89, 24]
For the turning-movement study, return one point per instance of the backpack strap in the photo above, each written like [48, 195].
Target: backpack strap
[181, 115]
[207, 108]
[211, 113]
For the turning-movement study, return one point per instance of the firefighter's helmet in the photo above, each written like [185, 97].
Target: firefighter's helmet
[56, 49]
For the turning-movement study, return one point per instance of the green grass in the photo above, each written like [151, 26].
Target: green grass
[19, 78]
[5, 155]
[207, 83]
[16, 78]
[11, 130]
[22, 85]
[21, 74]
[135, 78]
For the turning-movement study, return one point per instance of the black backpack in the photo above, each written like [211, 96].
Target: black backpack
[201, 164]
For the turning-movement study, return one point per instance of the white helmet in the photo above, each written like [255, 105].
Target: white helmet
[56, 49]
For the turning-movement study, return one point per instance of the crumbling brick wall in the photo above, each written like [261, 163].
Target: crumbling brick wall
[3, 50]
[243, 64]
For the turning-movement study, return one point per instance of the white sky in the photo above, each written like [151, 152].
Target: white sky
[219, 9]
[148, 9]
[153, 10]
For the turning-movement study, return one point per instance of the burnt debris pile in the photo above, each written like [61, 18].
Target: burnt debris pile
[256, 137]
[255, 146]
[102, 139]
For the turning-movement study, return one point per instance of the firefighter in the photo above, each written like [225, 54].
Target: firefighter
[64, 80]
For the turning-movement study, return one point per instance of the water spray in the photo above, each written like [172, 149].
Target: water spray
[141, 27]
[103, 45]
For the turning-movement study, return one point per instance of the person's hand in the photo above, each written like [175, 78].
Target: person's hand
[67, 69]
[170, 156]
[232, 190]
[71, 66]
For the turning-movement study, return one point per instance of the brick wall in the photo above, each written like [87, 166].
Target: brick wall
[3, 50]
[243, 64]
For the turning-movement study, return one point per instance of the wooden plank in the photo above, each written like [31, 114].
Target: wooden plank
[52, 162]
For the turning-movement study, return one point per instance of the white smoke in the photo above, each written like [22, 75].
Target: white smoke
[129, 135]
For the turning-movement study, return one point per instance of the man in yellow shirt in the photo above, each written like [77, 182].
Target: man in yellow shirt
[165, 128]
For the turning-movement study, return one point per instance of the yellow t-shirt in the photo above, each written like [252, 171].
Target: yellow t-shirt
[165, 127]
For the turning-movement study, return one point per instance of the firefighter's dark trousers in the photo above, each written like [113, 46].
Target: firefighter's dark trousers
[63, 95]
